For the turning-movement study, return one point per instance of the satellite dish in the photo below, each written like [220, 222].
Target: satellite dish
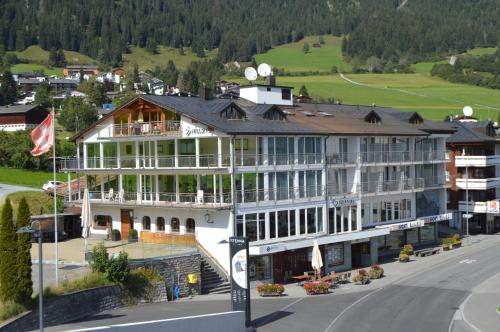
[264, 69]
[468, 111]
[250, 74]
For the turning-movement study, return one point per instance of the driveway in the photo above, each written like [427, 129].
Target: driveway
[423, 295]
[7, 189]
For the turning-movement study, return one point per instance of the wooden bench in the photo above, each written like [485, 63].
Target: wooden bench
[427, 252]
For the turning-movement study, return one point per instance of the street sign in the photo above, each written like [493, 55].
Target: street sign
[467, 215]
[240, 285]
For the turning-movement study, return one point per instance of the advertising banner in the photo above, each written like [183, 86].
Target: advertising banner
[240, 286]
[492, 207]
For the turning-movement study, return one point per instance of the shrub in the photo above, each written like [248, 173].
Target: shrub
[361, 276]
[91, 280]
[150, 274]
[115, 232]
[99, 259]
[316, 287]
[10, 309]
[404, 257]
[270, 289]
[376, 271]
[117, 269]
[447, 241]
[407, 249]
[132, 233]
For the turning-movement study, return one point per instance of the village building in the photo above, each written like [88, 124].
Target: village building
[21, 117]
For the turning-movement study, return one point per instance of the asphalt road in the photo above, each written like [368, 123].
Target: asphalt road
[425, 300]
[7, 189]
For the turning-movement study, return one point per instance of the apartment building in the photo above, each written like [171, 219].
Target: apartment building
[361, 180]
[474, 171]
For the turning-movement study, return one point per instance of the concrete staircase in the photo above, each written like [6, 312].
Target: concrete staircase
[212, 282]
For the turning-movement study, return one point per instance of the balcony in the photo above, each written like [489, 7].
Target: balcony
[478, 184]
[280, 194]
[162, 162]
[386, 157]
[435, 181]
[154, 128]
[167, 200]
[374, 187]
[255, 160]
[477, 161]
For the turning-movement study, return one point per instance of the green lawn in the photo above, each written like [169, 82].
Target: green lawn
[482, 50]
[39, 202]
[432, 97]
[145, 60]
[36, 54]
[291, 58]
[28, 178]
[31, 67]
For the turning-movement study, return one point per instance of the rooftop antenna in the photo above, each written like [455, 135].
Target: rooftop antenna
[250, 73]
[467, 110]
[264, 70]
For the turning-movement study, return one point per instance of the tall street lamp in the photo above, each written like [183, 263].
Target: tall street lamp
[37, 233]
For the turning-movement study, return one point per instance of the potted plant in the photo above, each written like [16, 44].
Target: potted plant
[270, 289]
[408, 249]
[361, 277]
[375, 272]
[404, 257]
[115, 235]
[316, 287]
[447, 243]
[132, 235]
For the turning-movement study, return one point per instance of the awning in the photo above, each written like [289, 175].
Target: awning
[285, 245]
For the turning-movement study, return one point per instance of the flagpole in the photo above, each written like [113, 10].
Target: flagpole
[55, 192]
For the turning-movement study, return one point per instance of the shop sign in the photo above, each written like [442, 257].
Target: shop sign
[344, 202]
[437, 218]
[240, 287]
[190, 130]
[492, 207]
[406, 225]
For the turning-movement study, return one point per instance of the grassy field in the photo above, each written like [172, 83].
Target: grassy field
[39, 202]
[36, 54]
[31, 67]
[291, 58]
[145, 60]
[432, 97]
[28, 178]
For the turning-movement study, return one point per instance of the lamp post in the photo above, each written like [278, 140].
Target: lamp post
[38, 233]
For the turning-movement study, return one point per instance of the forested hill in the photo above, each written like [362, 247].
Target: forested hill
[104, 29]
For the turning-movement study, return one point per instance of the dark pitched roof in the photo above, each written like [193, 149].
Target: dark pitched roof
[470, 132]
[16, 109]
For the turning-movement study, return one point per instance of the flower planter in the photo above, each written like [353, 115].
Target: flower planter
[264, 294]
[115, 237]
[457, 245]
[270, 290]
[132, 239]
[317, 292]
[316, 288]
[363, 281]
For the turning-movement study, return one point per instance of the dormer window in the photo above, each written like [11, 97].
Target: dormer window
[373, 117]
[232, 112]
[274, 113]
[416, 119]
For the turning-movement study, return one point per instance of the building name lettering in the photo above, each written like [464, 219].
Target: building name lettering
[343, 202]
[196, 131]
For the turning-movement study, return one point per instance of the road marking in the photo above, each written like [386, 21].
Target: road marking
[349, 307]
[467, 261]
[462, 306]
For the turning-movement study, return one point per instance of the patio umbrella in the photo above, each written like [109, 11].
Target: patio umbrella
[86, 217]
[316, 259]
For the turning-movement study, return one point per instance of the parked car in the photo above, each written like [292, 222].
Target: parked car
[50, 185]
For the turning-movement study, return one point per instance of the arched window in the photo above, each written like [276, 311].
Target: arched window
[190, 224]
[174, 225]
[160, 224]
[146, 223]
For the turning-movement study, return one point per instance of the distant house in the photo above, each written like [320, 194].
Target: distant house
[21, 117]
[28, 84]
[28, 75]
[57, 84]
[69, 93]
[72, 71]
[316, 45]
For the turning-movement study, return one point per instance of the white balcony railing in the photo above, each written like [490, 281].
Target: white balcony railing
[386, 157]
[279, 194]
[477, 161]
[373, 187]
[478, 184]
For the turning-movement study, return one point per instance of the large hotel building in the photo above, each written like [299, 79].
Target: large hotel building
[361, 180]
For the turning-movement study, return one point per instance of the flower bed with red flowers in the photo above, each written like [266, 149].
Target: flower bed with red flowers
[270, 289]
[316, 287]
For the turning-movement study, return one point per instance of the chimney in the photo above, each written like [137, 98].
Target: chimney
[271, 80]
[205, 92]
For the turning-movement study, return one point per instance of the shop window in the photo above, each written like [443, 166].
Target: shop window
[160, 224]
[272, 224]
[175, 225]
[102, 221]
[283, 223]
[146, 223]
[335, 255]
[320, 220]
[311, 221]
[262, 226]
[239, 225]
[251, 226]
[190, 225]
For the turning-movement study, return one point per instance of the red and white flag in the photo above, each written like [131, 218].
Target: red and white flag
[43, 136]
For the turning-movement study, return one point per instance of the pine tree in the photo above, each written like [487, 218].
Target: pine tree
[303, 91]
[42, 96]
[305, 48]
[24, 288]
[8, 89]
[8, 250]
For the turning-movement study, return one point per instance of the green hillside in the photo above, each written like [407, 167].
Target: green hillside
[291, 57]
[32, 67]
[36, 54]
[146, 60]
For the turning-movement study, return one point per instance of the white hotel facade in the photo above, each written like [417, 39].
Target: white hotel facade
[362, 181]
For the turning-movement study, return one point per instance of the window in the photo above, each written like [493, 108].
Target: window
[335, 255]
[160, 224]
[262, 226]
[293, 230]
[302, 221]
[146, 223]
[174, 225]
[274, 114]
[251, 226]
[373, 117]
[239, 225]
[102, 221]
[241, 142]
[311, 220]
[232, 112]
[286, 94]
[283, 223]
[190, 225]
[272, 224]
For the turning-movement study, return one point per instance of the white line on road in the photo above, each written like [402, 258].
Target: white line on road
[467, 261]
[349, 307]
